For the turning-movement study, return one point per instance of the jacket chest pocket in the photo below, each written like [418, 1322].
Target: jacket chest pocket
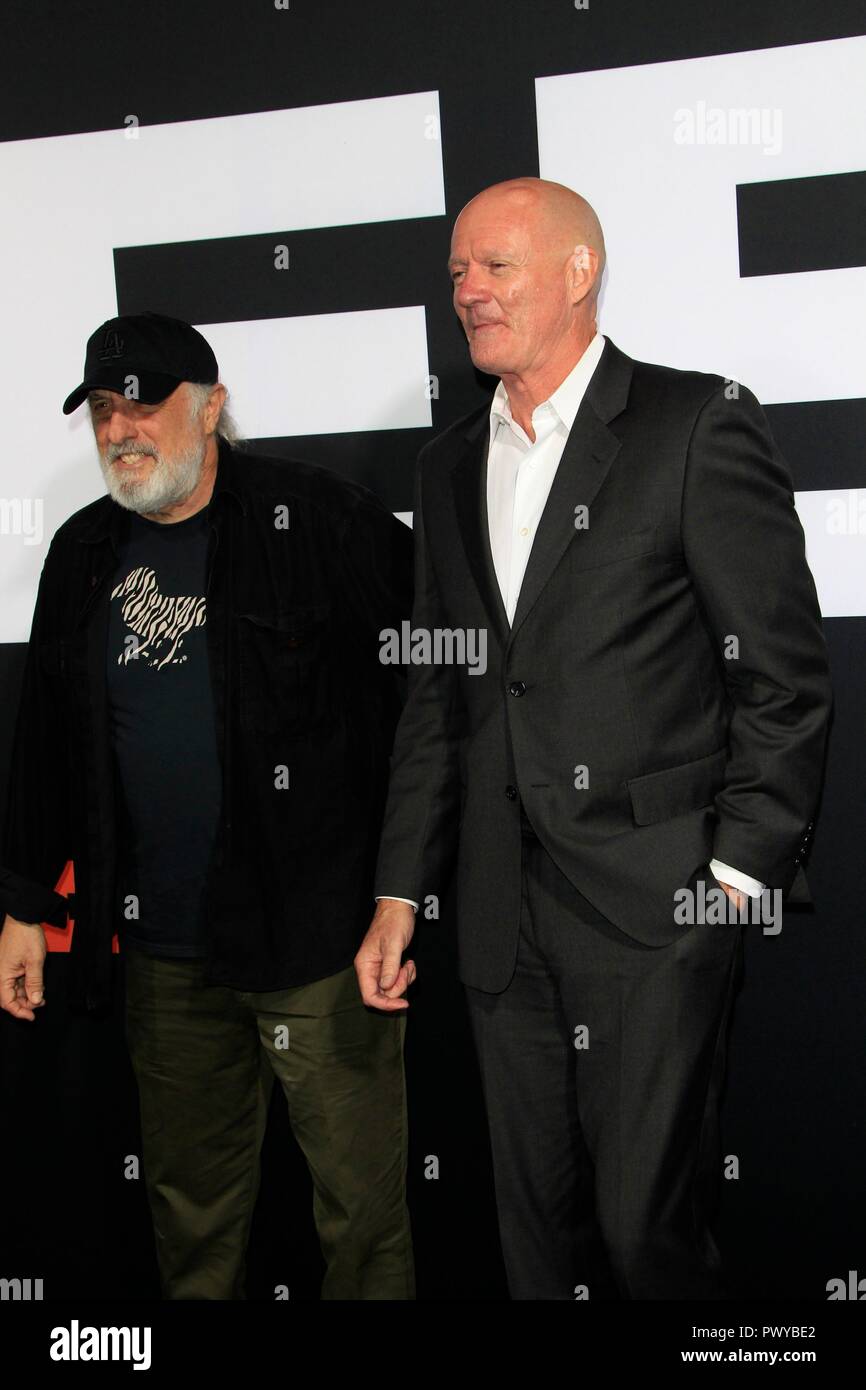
[284, 663]
[606, 550]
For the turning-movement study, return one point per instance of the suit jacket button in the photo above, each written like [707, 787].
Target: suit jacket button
[511, 793]
[517, 688]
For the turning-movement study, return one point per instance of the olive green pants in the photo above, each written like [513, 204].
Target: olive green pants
[205, 1057]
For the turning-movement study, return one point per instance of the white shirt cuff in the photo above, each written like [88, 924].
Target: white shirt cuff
[725, 874]
[410, 901]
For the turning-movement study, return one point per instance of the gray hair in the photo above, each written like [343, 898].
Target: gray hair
[226, 427]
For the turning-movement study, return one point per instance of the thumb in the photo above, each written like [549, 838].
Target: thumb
[33, 982]
[390, 964]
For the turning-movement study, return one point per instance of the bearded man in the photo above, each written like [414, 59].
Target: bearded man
[204, 731]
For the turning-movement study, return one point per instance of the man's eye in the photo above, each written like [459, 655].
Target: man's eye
[455, 275]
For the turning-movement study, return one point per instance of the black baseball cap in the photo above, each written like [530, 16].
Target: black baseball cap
[160, 352]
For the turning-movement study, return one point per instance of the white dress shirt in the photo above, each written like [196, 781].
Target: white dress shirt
[520, 474]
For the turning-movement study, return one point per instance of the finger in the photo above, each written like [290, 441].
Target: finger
[7, 992]
[371, 994]
[405, 976]
[15, 1002]
[394, 990]
[13, 998]
[367, 971]
[386, 1005]
[21, 1011]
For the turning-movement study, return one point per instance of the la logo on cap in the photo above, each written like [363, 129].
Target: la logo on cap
[112, 347]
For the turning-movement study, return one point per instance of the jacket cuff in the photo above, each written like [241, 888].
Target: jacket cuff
[29, 901]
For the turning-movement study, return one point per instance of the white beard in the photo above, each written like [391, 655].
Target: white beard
[168, 482]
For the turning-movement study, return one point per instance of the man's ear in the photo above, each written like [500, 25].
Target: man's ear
[213, 407]
[582, 270]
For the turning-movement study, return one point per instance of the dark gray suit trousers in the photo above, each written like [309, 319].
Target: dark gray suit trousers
[602, 1065]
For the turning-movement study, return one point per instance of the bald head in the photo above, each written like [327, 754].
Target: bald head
[526, 263]
[562, 218]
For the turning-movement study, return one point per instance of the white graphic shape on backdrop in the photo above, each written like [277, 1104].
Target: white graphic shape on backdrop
[72, 199]
[669, 211]
[326, 373]
[673, 291]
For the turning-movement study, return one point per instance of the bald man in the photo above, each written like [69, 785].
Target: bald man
[645, 740]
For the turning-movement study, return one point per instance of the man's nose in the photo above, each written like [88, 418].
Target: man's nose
[471, 289]
[121, 425]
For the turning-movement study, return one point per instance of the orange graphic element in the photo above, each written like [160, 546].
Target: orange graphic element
[60, 938]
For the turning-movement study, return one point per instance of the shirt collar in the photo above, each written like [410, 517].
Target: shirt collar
[565, 400]
[229, 478]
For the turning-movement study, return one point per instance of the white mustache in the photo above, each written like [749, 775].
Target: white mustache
[113, 451]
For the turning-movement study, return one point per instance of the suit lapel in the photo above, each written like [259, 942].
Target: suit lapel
[469, 481]
[586, 460]
[589, 452]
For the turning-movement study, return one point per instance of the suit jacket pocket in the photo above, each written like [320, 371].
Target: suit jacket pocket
[674, 790]
[606, 549]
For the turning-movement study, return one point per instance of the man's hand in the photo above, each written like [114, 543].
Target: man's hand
[736, 895]
[22, 953]
[381, 977]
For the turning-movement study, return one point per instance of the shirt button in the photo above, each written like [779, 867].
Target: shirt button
[524, 530]
[511, 793]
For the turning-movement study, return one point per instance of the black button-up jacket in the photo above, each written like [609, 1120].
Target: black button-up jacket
[304, 570]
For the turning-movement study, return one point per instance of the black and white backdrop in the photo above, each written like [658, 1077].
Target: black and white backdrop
[285, 176]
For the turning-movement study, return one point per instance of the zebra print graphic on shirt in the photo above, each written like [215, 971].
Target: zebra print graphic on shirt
[159, 621]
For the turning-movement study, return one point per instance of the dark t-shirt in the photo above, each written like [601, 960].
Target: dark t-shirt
[162, 730]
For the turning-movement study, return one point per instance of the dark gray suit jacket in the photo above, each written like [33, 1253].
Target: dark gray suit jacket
[616, 662]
